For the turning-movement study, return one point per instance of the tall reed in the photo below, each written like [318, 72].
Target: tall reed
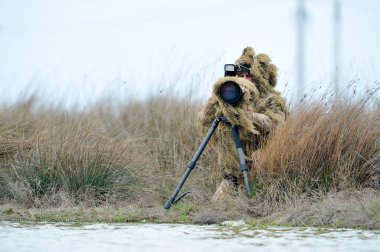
[137, 151]
[326, 145]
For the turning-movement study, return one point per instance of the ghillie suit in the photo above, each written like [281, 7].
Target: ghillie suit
[257, 114]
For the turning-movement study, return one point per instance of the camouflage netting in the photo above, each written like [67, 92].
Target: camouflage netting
[257, 114]
[263, 71]
[270, 102]
[238, 114]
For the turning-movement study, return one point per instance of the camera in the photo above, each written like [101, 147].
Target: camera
[230, 91]
[233, 70]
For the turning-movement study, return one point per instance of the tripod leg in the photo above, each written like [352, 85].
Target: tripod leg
[178, 188]
[193, 162]
[243, 165]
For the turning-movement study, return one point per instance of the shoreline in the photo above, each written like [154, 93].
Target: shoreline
[349, 209]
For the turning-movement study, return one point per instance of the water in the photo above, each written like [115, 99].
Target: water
[167, 237]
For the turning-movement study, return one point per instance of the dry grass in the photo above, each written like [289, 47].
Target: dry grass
[325, 146]
[129, 152]
[49, 152]
[135, 153]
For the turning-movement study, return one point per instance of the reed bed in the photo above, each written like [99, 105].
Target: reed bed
[136, 152]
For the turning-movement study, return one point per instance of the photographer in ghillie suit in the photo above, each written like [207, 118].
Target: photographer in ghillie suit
[261, 109]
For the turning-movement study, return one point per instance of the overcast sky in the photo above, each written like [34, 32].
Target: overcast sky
[79, 50]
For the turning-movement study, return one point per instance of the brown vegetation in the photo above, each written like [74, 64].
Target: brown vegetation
[134, 154]
[324, 146]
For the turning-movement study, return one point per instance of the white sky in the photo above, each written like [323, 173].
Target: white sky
[83, 50]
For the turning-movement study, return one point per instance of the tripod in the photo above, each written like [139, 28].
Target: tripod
[191, 165]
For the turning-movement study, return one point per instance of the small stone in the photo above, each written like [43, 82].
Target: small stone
[233, 223]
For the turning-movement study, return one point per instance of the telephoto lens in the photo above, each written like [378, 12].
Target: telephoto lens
[230, 92]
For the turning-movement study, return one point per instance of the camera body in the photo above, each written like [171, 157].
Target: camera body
[230, 70]
[234, 70]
